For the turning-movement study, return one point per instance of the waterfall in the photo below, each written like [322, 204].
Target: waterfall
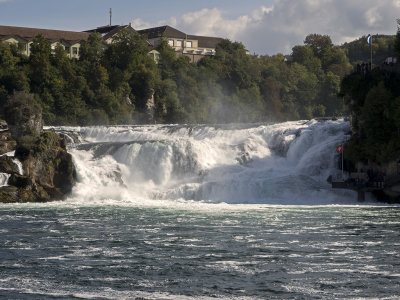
[4, 179]
[285, 163]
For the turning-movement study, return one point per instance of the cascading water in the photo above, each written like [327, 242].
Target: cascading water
[155, 215]
[285, 163]
[4, 177]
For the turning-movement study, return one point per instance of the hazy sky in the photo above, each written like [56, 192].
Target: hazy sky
[264, 26]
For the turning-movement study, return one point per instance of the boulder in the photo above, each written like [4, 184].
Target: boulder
[7, 144]
[49, 173]
[47, 163]
[7, 165]
[9, 194]
[3, 125]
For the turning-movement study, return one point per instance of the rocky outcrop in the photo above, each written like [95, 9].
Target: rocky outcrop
[7, 143]
[48, 170]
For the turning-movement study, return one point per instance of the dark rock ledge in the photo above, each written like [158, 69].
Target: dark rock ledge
[48, 171]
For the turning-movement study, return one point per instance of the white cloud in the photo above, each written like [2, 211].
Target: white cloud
[285, 24]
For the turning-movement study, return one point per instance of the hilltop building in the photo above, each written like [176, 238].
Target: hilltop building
[192, 46]
[23, 36]
[109, 31]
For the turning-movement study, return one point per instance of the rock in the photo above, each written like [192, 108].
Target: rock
[7, 165]
[9, 194]
[7, 144]
[49, 173]
[150, 106]
[3, 125]
[46, 161]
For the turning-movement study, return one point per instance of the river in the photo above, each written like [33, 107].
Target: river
[238, 211]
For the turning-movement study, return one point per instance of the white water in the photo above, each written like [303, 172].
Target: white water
[4, 177]
[286, 163]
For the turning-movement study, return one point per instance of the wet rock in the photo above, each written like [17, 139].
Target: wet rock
[7, 144]
[3, 125]
[49, 173]
[7, 165]
[9, 194]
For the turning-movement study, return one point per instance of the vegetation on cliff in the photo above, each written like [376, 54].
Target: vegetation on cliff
[113, 84]
[373, 98]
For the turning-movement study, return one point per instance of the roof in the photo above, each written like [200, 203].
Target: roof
[163, 31]
[53, 35]
[108, 31]
[206, 41]
[103, 29]
[116, 30]
[170, 32]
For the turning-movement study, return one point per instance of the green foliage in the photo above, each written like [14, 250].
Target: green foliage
[359, 51]
[119, 83]
[397, 40]
[374, 100]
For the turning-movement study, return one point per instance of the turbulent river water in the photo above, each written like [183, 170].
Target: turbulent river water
[238, 211]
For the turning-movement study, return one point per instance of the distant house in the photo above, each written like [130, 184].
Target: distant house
[23, 36]
[108, 32]
[193, 46]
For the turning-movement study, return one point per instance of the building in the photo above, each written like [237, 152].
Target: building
[109, 31]
[23, 37]
[192, 46]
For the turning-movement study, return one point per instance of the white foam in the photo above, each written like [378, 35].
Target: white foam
[4, 179]
[285, 163]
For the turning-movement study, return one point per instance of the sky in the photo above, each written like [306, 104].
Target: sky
[263, 26]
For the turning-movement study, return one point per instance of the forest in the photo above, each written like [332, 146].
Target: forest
[373, 101]
[112, 85]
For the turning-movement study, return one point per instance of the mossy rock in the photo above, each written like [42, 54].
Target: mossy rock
[7, 165]
[9, 194]
[7, 144]
[19, 181]
[3, 124]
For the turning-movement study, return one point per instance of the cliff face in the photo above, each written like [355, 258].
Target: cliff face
[48, 172]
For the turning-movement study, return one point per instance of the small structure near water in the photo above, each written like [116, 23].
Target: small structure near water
[361, 182]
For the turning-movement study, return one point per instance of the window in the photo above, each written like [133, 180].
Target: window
[75, 50]
[189, 44]
[67, 49]
[171, 43]
[179, 43]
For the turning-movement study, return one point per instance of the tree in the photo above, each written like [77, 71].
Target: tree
[304, 55]
[39, 62]
[92, 51]
[397, 40]
[319, 44]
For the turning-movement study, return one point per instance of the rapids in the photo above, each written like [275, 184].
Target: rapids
[284, 163]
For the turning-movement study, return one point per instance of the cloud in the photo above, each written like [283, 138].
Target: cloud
[269, 30]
